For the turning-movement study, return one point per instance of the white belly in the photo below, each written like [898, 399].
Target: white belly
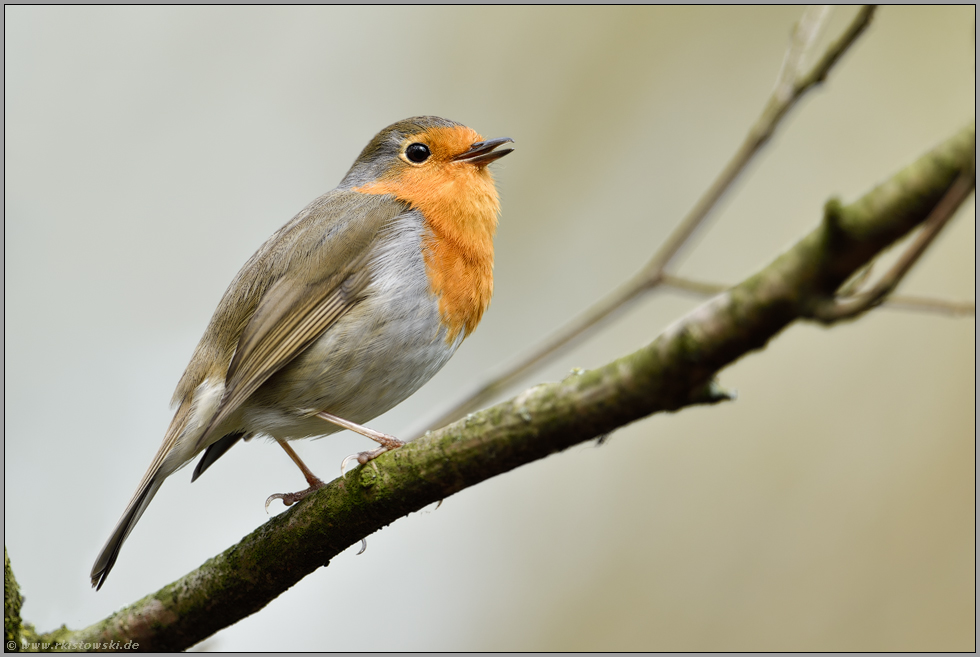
[383, 350]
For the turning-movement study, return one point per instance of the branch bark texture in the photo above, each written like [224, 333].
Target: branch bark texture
[674, 371]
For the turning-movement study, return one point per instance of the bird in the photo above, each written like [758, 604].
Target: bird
[342, 313]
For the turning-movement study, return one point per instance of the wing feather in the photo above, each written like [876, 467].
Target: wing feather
[298, 308]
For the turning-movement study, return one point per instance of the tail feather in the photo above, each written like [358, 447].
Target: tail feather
[107, 557]
[159, 470]
[215, 451]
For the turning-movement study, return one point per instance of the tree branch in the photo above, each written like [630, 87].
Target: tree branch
[674, 371]
[791, 85]
[837, 309]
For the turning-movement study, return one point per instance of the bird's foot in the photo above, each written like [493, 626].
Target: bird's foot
[288, 499]
[365, 457]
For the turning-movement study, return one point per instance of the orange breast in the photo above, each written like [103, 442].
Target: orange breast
[460, 205]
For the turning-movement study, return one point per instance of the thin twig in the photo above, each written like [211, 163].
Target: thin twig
[804, 36]
[654, 271]
[928, 304]
[703, 289]
[699, 288]
[833, 310]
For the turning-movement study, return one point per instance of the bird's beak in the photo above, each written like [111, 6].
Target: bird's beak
[481, 153]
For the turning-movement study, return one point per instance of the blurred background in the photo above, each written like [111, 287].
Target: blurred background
[150, 151]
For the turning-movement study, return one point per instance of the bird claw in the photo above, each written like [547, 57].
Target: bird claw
[276, 496]
[367, 457]
[288, 499]
[363, 546]
[343, 464]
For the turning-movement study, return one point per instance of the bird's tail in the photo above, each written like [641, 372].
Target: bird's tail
[107, 557]
[164, 464]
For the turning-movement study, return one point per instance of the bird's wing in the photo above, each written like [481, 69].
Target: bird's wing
[299, 282]
[297, 308]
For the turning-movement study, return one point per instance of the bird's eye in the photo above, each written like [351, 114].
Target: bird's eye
[417, 153]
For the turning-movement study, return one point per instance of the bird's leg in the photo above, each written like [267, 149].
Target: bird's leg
[314, 481]
[387, 442]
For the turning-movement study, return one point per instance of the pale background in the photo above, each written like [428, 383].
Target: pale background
[150, 151]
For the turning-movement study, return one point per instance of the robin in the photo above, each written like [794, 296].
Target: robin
[344, 312]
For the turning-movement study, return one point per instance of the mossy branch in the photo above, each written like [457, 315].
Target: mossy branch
[676, 370]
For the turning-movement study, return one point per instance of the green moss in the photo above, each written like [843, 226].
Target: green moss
[12, 602]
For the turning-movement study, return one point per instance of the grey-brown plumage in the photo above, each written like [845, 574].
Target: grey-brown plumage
[285, 297]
